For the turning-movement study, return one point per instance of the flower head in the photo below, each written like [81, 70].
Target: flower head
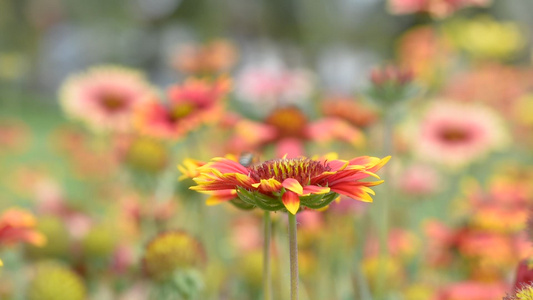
[351, 110]
[391, 84]
[171, 251]
[271, 84]
[289, 182]
[484, 38]
[104, 97]
[190, 105]
[288, 128]
[524, 274]
[472, 290]
[146, 154]
[522, 293]
[436, 8]
[213, 57]
[17, 225]
[456, 134]
[54, 281]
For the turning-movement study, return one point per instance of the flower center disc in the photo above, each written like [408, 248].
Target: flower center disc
[454, 135]
[112, 103]
[181, 111]
[301, 169]
[290, 121]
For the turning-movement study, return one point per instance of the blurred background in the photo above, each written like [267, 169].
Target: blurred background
[101, 100]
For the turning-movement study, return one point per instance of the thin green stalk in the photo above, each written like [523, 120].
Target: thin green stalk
[293, 246]
[267, 281]
[384, 211]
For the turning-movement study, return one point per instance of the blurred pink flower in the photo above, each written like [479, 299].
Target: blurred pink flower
[247, 233]
[310, 220]
[123, 258]
[272, 85]
[456, 134]
[346, 207]
[439, 240]
[190, 105]
[419, 180]
[472, 290]
[437, 8]
[104, 97]
[401, 243]
[499, 86]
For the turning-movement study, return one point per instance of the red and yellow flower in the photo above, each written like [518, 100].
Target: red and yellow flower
[288, 129]
[18, 226]
[189, 106]
[290, 182]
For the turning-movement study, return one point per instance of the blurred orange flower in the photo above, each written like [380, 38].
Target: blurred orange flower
[288, 128]
[214, 57]
[18, 226]
[190, 105]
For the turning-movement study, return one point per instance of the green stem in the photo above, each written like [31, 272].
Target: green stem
[385, 201]
[293, 246]
[267, 282]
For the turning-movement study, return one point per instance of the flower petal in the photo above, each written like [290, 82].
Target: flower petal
[314, 189]
[224, 165]
[220, 196]
[293, 185]
[291, 201]
[268, 185]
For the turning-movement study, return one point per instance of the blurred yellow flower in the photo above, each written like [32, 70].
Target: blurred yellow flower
[171, 251]
[485, 38]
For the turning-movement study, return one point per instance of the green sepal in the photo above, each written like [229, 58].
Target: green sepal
[322, 202]
[237, 202]
[260, 200]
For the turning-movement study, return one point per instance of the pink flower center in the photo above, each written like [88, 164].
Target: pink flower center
[301, 169]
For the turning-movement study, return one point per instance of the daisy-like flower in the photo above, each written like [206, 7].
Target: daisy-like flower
[18, 226]
[436, 8]
[472, 290]
[288, 129]
[525, 292]
[524, 274]
[104, 97]
[190, 105]
[55, 281]
[485, 38]
[426, 52]
[291, 182]
[171, 251]
[214, 57]
[456, 134]
[271, 85]
[351, 110]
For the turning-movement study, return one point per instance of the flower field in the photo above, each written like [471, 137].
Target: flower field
[266, 150]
